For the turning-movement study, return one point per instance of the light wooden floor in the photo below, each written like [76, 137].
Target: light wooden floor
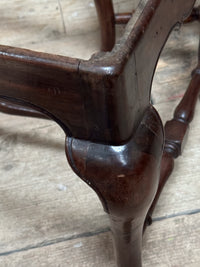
[49, 217]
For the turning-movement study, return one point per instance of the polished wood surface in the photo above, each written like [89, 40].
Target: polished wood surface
[115, 112]
[106, 17]
[176, 133]
[127, 190]
[103, 106]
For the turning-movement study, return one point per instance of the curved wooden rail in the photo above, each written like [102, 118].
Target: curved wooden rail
[19, 110]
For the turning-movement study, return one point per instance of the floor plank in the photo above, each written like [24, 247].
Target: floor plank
[169, 243]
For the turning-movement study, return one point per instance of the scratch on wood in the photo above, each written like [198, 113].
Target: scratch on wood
[54, 90]
[62, 17]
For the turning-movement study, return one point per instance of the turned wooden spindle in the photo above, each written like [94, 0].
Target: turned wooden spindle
[123, 18]
[176, 131]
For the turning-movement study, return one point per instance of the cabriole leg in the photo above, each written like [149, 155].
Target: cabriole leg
[125, 177]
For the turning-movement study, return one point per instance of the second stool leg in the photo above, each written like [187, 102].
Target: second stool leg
[106, 17]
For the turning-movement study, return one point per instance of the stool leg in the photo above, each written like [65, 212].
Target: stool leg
[107, 23]
[176, 132]
[125, 177]
[127, 239]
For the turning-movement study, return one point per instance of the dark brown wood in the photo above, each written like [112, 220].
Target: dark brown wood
[176, 132]
[47, 83]
[123, 18]
[124, 103]
[176, 129]
[127, 190]
[19, 110]
[115, 137]
[195, 15]
[108, 39]
[106, 17]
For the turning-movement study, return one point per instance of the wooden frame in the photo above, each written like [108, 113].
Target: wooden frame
[115, 138]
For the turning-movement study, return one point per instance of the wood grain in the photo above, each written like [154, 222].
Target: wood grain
[170, 243]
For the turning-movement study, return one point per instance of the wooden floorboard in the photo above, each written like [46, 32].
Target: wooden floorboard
[170, 242]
